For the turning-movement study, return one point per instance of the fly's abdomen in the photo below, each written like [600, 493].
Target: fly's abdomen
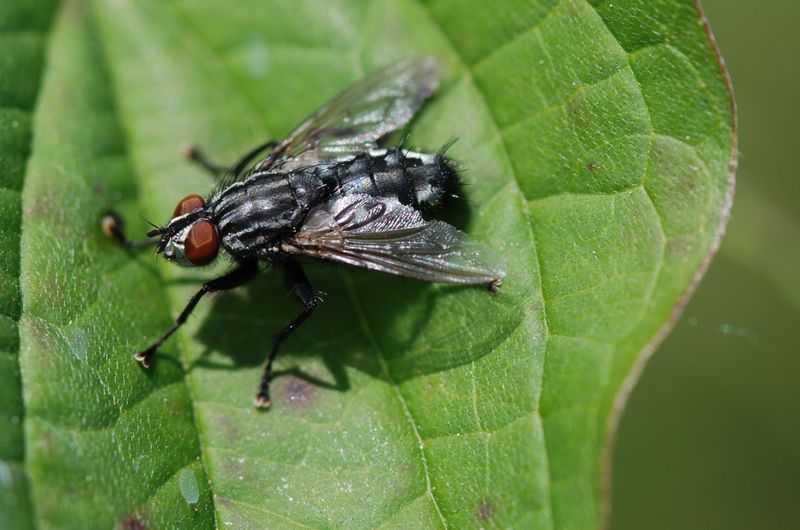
[421, 180]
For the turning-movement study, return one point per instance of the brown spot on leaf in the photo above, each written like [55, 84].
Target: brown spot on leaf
[36, 207]
[228, 427]
[222, 501]
[680, 248]
[577, 113]
[299, 392]
[484, 511]
[133, 522]
[76, 9]
[690, 177]
[591, 167]
[46, 443]
[573, 12]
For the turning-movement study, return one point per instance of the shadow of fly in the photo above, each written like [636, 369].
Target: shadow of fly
[328, 191]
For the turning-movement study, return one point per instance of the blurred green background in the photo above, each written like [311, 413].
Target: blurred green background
[711, 436]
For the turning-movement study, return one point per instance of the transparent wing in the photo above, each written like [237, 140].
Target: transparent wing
[383, 234]
[357, 118]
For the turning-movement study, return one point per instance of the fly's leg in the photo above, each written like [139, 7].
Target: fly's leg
[249, 157]
[196, 154]
[112, 223]
[114, 227]
[239, 276]
[301, 288]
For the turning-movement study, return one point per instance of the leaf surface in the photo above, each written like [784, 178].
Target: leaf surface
[23, 28]
[597, 141]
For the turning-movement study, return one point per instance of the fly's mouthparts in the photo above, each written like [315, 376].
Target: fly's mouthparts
[155, 232]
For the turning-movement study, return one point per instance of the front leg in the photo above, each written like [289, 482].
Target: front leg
[301, 288]
[114, 227]
[238, 276]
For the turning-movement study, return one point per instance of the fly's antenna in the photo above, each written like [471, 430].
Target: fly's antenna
[157, 231]
[148, 221]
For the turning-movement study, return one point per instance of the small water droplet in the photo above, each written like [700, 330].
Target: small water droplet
[257, 58]
[190, 490]
[76, 340]
[5, 475]
[744, 333]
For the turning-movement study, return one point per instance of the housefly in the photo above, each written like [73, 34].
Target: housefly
[328, 191]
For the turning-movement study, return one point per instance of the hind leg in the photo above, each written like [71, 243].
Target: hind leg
[301, 288]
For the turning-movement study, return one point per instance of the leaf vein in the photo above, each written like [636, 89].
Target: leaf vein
[359, 310]
[531, 232]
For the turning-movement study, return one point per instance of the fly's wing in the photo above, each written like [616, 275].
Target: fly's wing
[356, 119]
[383, 234]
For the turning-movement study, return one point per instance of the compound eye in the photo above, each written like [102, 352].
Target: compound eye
[202, 243]
[188, 204]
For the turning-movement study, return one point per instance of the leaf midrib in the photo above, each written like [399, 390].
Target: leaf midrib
[370, 336]
[366, 330]
[514, 181]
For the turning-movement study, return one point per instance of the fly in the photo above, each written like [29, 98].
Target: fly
[328, 191]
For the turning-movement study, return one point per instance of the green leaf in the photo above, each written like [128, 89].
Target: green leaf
[597, 139]
[22, 41]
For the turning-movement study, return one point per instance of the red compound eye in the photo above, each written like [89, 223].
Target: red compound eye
[188, 204]
[202, 243]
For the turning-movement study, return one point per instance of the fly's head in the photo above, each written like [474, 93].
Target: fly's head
[190, 238]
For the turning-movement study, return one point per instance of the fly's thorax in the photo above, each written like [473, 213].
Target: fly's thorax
[253, 215]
